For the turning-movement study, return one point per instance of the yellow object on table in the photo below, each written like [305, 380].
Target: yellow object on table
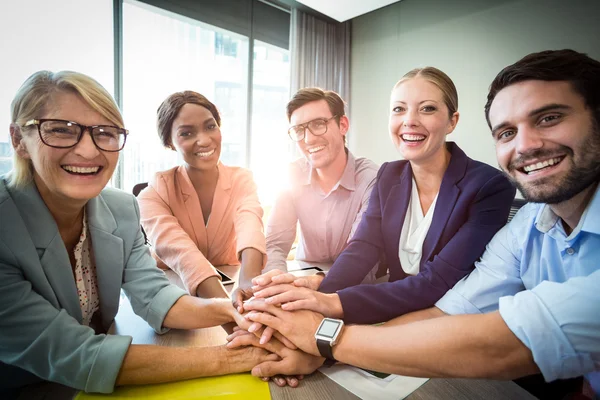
[228, 387]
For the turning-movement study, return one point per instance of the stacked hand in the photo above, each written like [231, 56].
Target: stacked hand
[292, 361]
[276, 287]
[293, 293]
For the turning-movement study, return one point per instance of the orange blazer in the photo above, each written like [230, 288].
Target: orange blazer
[172, 218]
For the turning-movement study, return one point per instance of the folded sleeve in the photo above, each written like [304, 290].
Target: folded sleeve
[281, 231]
[39, 338]
[247, 220]
[559, 323]
[148, 289]
[169, 240]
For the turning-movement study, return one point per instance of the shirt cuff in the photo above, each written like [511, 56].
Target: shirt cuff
[106, 366]
[530, 320]
[453, 303]
[160, 306]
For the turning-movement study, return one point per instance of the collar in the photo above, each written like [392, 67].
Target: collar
[348, 180]
[223, 181]
[546, 218]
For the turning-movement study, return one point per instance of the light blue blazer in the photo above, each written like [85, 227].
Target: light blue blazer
[41, 335]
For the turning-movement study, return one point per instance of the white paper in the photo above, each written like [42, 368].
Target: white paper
[367, 386]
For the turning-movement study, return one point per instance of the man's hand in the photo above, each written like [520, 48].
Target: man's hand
[264, 333]
[298, 327]
[292, 362]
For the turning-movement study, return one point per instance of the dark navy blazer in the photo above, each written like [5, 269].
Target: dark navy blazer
[472, 205]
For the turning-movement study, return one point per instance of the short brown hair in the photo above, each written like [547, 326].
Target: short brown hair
[308, 95]
[169, 109]
[580, 70]
[439, 79]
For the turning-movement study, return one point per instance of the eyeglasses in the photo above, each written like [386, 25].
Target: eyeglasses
[63, 134]
[317, 127]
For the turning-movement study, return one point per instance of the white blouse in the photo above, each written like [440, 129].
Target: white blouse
[85, 275]
[414, 230]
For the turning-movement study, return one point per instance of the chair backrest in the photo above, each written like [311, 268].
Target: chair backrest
[138, 188]
[515, 206]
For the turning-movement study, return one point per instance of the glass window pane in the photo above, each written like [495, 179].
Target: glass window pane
[165, 53]
[271, 148]
[32, 42]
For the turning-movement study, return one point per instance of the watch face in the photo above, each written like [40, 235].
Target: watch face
[328, 328]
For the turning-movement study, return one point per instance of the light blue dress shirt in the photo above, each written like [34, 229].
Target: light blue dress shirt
[546, 285]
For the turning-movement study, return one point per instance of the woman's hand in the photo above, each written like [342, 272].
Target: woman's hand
[278, 277]
[240, 295]
[292, 362]
[298, 298]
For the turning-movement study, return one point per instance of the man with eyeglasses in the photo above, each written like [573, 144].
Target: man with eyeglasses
[328, 188]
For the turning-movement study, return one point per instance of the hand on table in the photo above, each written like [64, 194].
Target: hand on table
[291, 362]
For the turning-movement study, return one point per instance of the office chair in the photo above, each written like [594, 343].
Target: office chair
[136, 190]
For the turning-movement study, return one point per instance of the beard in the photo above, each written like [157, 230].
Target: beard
[584, 172]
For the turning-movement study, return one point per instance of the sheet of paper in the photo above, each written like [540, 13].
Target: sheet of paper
[228, 387]
[367, 386]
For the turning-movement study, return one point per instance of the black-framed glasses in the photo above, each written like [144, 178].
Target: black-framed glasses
[317, 127]
[63, 134]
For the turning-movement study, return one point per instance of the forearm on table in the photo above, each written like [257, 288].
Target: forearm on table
[147, 364]
[193, 312]
[470, 346]
[415, 316]
[252, 264]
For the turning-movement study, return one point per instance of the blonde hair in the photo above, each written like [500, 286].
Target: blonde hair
[34, 98]
[439, 79]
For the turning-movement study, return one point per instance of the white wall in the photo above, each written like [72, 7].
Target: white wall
[470, 40]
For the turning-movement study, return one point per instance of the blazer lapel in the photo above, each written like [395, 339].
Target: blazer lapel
[395, 209]
[447, 197]
[220, 203]
[51, 249]
[193, 210]
[108, 254]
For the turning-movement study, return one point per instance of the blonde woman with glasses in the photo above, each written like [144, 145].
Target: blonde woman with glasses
[68, 245]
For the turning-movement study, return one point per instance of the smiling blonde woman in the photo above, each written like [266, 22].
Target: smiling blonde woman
[68, 245]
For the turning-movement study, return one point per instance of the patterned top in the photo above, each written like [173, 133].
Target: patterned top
[85, 275]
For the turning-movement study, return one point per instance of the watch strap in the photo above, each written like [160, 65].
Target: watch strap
[325, 349]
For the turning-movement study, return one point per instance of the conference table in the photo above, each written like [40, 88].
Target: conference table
[317, 385]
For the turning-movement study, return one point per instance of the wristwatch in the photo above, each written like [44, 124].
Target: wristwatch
[326, 335]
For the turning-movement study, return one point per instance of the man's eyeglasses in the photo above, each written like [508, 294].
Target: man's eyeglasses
[63, 134]
[317, 127]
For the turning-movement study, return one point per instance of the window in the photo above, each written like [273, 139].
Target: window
[163, 53]
[270, 145]
[36, 44]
